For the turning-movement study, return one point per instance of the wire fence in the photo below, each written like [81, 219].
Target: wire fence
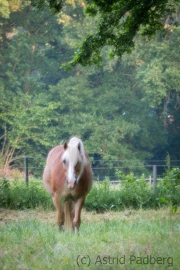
[28, 167]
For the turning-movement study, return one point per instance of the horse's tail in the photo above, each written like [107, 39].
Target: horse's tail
[68, 205]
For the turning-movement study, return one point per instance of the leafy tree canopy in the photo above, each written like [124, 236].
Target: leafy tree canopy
[126, 109]
[8, 6]
[119, 21]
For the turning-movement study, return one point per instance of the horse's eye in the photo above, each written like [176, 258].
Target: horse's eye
[64, 161]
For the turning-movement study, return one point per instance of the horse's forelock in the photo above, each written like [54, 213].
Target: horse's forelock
[74, 151]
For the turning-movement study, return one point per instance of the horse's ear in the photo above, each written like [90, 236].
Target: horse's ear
[65, 146]
[79, 147]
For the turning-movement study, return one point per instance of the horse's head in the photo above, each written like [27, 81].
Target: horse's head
[73, 161]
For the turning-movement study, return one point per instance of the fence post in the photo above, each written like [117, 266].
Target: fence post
[155, 178]
[26, 171]
[150, 180]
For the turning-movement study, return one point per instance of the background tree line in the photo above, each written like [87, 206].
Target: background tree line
[126, 109]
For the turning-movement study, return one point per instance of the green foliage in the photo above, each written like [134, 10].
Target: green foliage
[8, 6]
[102, 198]
[55, 5]
[156, 72]
[15, 195]
[120, 110]
[172, 176]
[169, 189]
[172, 179]
[119, 23]
[136, 192]
[28, 121]
[130, 193]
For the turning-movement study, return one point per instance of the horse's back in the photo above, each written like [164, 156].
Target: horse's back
[53, 177]
[54, 154]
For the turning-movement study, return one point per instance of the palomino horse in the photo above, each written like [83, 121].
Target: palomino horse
[68, 178]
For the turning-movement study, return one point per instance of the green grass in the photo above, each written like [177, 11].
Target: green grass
[30, 240]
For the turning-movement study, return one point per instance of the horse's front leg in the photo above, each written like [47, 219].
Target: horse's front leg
[59, 208]
[77, 213]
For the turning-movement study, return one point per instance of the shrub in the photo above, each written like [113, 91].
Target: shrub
[168, 191]
[15, 195]
[136, 193]
[102, 198]
[131, 193]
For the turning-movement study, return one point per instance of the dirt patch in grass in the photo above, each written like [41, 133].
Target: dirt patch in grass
[7, 215]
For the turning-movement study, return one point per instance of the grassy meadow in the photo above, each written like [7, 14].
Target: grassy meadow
[130, 239]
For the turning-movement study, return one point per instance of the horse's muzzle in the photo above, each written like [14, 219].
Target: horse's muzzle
[71, 183]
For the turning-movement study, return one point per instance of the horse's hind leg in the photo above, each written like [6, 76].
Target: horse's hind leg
[77, 214]
[59, 208]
